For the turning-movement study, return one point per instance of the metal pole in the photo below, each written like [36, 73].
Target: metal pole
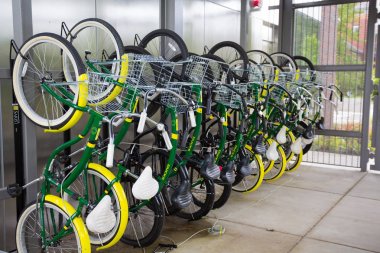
[364, 152]
[2, 203]
[244, 16]
[376, 107]
[286, 32]
[23, 29]
[171, 15]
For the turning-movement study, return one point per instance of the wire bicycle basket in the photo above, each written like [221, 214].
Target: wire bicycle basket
[189, 92]
[145, 72]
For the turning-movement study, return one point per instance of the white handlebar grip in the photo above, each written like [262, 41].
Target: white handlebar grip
[118, 122]
[167, 140]
[110, 152]
[193, 123]
[140, 127]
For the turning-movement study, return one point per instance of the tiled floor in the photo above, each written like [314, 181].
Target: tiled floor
[312, 210]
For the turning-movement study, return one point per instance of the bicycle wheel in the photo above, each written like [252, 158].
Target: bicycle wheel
[96, 180]
[164, 43]
[146, 220]
[252, 182]
[168, 45]
[222, 193]
[56, 213]
[307, 147]
[203, 193]
[286, 63]
[264, 61]
[279, 165]
[304, 63]
[293, 161]
[39, 63]
[97, 41]
[234, 55]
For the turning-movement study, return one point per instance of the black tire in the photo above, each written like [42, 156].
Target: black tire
[157, 208]
[308, 146]
[289, 59]
[205, 205]
[174, 41]
[112, 30]
[240, 55]
[166, 192]
[181, 45]
[268, 74]
[309, 64]
[222, 193]
[135, 50]
[200, 206]
[25, 106]
[139, 233]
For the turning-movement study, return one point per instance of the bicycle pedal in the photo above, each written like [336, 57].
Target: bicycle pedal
[14, 190]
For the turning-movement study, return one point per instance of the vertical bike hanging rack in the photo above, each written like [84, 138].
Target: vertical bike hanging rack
[15, 190]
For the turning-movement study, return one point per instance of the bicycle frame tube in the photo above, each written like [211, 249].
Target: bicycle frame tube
[222, 111]
[172, 154]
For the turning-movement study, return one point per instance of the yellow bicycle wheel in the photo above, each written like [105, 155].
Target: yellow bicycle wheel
[279, 165]
[252, 182]
[56, 213]
[293, 161]
[96, 179]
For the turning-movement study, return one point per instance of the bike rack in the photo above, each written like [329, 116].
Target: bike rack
[16, 190]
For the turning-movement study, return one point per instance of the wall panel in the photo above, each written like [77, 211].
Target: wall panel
[130, 17]
[209, 22]
[6, 31]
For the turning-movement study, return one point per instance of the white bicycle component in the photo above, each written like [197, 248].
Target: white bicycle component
[102, 219]
[118, 122]
[296, 147]
[140, 127]
[193, 123]
[281, 135]
[110, 153]
[165, 135]
[307, 141]
[300, 115]
[272, 152]
[146, 187]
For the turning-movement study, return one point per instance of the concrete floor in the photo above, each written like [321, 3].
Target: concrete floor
[312, 210]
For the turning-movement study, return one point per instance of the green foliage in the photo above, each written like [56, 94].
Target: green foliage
[350, 146]
[307, 42]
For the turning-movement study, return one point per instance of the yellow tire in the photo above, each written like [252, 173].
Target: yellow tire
[293, 161]
[279, 166]
[56, 213]
[98, 177]
[252, 182]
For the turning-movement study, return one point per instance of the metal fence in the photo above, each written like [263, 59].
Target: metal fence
[334, 38]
